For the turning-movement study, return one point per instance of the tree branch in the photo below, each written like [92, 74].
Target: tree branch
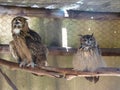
[67, 73]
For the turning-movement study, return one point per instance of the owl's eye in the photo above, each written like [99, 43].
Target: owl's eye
[90, 39]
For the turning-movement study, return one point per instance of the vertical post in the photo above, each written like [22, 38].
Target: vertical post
[53, 32]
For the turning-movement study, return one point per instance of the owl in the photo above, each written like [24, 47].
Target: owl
[26, 46]
[88, 56]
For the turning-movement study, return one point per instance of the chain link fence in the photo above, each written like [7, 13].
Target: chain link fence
[106, 32]
[63, 32]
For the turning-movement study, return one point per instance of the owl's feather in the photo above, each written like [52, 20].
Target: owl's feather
[88, 56]
[26, 46]
[37, 49]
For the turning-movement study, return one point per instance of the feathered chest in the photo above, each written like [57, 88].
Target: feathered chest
[21, 46]
[87, 59]
[88, 53]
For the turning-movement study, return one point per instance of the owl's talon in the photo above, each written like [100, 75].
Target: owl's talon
[32, 64]
[46, 64]
[22, 64]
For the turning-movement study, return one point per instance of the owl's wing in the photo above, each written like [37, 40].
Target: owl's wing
[13, 51]
[39, 53]
[99, 50]
[34, 36]
[37, 49]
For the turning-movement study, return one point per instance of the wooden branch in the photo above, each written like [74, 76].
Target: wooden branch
[97, 15]
[8, 80]
[28, 11]
[4, 48]
[56, 13]
[37, 71]
[67, 73]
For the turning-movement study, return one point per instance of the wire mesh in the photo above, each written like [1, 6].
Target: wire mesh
[55, 32]
[106, 32]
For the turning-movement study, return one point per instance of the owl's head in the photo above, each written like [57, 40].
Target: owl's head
[87, 40]
[19, 24]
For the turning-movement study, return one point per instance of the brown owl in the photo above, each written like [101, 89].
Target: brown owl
[88, 56]
[26, 46]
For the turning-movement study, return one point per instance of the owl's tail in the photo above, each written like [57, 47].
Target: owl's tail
[93, 79]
